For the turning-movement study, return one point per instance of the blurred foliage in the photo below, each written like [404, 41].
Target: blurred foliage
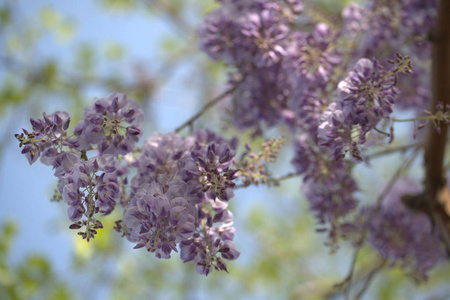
[282, 257]
[31, 278]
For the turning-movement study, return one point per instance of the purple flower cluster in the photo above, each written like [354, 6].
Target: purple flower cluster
[88, 185]
[180, 197]
[215, 176]
[317, 80]
[312, 57]
[330, 193]
[111, 123]
[158, 219]
[105, 125]
[92, 186]
[303, 79]
[209, 241]
[245, 33]
[275, 64]
[48, 136]
[365, 97]
[387, 26]
[335, 133]
[354, 17]
[418, 19]
[382, 28]
[161, 157]
[415, 89]
[253, 36]
[402, 235]
[328, 186]
[304, 109]
[264, 31]
[382, 32]
[263, 96]
[282, 68]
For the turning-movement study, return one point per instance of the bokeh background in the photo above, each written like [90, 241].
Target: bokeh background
[59, 55]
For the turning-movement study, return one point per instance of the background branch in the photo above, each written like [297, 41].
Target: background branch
[369, 279]
[387, 151]
[206, 107]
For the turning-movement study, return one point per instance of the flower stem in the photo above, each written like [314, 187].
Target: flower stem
[270, 180]
[207, 106]
[387, 151]
[369, 279]
[427, 118]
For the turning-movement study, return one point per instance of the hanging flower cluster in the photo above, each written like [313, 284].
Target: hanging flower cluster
[333, 82]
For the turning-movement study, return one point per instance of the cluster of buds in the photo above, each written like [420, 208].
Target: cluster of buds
[253, 167]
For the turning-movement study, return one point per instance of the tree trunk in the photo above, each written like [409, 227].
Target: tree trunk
[435, 182]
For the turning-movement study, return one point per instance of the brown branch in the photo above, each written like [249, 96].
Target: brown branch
[435, 144]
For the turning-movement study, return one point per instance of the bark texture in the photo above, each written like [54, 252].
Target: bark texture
[435, 181]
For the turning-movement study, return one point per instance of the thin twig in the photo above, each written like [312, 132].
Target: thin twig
[206, 107]
[273, 180]
[369, 279]
[347, 282]
[397, 174]
[426, 118]
[382, 132]
[393, 150]
[277, 179]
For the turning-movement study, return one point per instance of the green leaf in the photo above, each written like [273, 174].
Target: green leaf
[5, 16]
[50, 18]
[118, 5]
[114, 50]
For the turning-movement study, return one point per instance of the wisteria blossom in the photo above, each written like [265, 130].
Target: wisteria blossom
[333, 83]
[405, 236]
[181, 191]
[313, 57]
[112, 123]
